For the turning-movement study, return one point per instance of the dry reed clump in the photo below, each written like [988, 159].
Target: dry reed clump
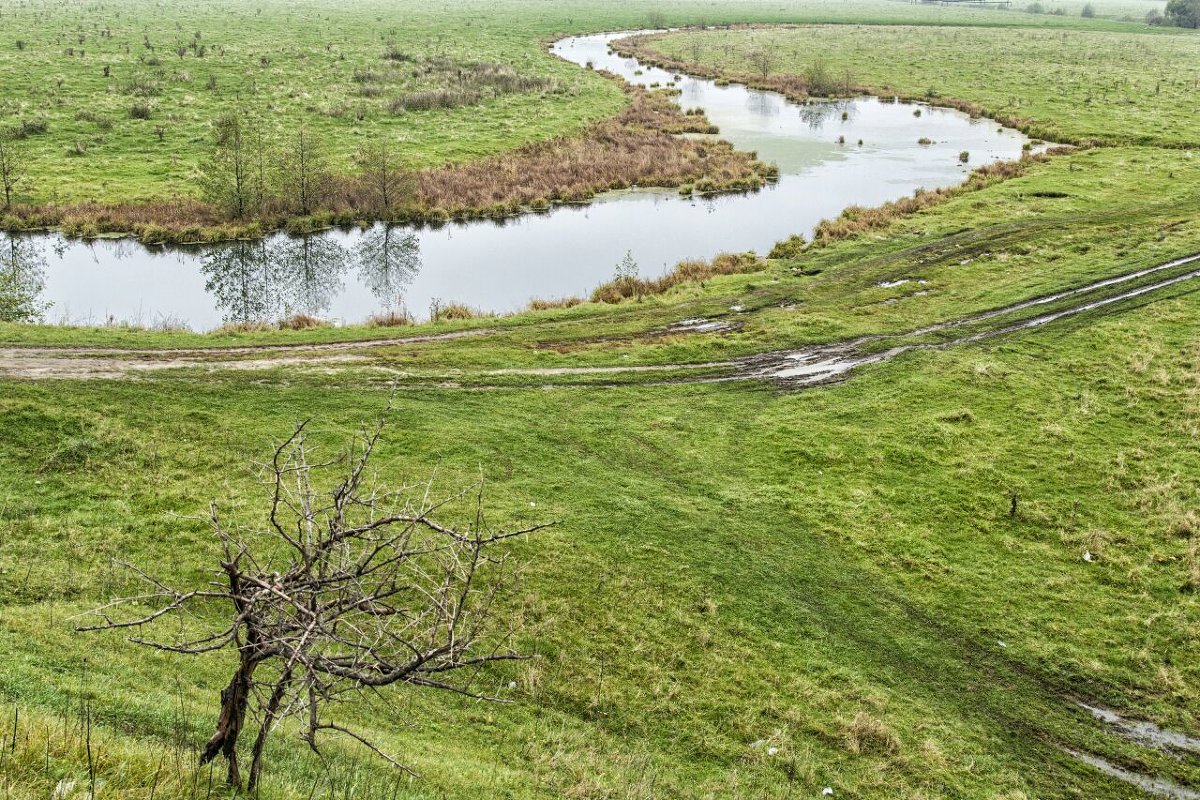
[301, 322]
[625, 287]
[440, 311]
[790, 247]
[539, 304]
[395, 318]
[866, 734]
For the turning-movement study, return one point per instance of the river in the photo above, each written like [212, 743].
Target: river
[831, 155]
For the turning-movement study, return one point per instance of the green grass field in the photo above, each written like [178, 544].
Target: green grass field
[81, 68]
[755, 592]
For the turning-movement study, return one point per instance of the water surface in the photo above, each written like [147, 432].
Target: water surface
[831, 155]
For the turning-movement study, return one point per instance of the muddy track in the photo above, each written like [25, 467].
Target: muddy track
[808, 366]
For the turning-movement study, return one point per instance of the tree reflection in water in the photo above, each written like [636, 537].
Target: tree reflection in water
[269, 280]
[816, 113]
[389, 258]
[309, 272]
[239, 276]
[22, 279]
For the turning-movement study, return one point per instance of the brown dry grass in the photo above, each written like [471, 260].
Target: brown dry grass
[624, 288]
[868, 734]
[301, 322]
[857, 220]
[637, 148]
[391, 319]
[540, 304]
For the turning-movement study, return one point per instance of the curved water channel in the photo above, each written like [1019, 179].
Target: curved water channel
[346, 276]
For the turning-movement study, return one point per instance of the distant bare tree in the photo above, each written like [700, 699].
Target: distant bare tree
[12, 167]
[387, 182]
[762, 58]
[343, 591]
[233, 179]
[303, 172]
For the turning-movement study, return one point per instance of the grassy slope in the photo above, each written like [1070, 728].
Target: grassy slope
[855, 566]
[312, 51]
[738, 563]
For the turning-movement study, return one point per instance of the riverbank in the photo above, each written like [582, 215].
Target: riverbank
[642, 146]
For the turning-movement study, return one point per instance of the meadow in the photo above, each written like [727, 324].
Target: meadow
[897, 585]
[116, 105]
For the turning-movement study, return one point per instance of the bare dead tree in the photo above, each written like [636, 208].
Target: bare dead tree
[12, 167]
[762, 58]
[340, 593]
[302, 171]
[387, 183]
[233, 177]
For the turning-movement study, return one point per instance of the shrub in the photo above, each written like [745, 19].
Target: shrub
[140, 110]
[33, 127]
[790, 247]
[393, 53]
[1088, 11]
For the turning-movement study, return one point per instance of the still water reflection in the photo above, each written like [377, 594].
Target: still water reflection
[830, 155]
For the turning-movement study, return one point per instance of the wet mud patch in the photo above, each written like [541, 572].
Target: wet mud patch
[1143, 733]
[1155, 787]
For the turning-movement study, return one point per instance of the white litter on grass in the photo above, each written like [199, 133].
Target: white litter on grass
[827, 791]
[1002, 644]
[1087, 555]
[772, 751]
[735, 308]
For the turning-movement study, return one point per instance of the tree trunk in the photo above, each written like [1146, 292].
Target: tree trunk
[234, 700]
[260, 741]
